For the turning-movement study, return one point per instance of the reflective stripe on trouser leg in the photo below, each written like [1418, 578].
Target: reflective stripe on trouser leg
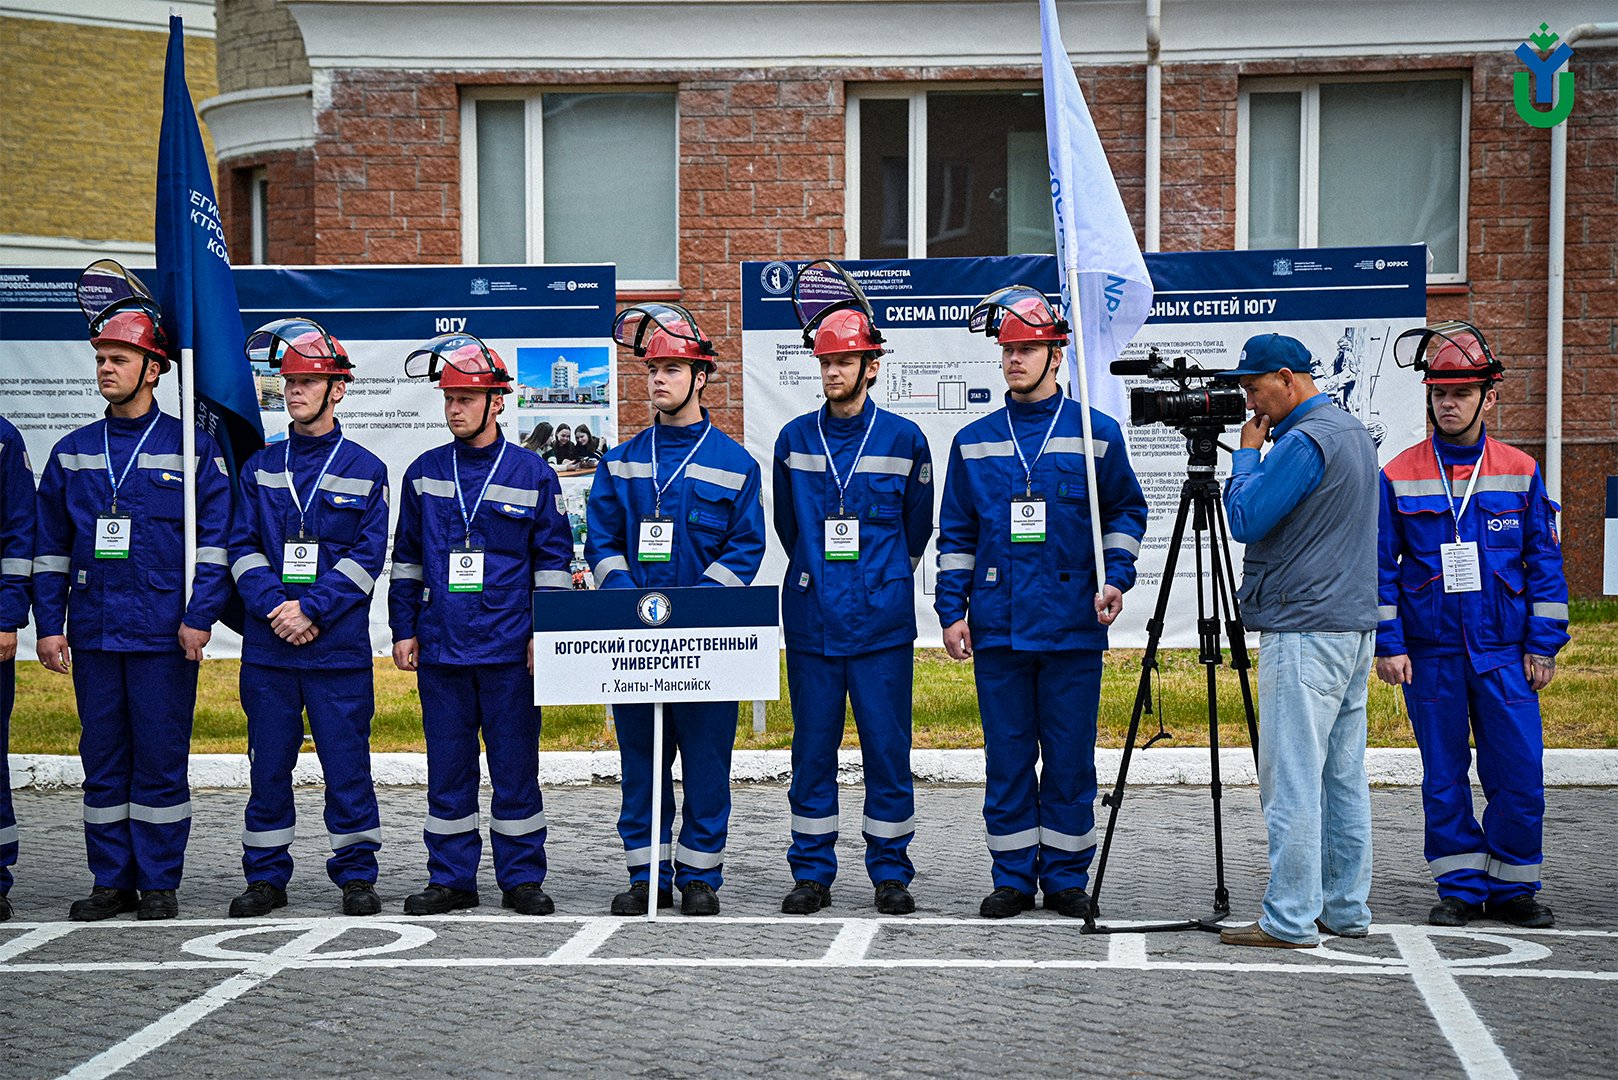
[633, 725]
[817, 685]
[879, 685]
[1007, 681]
[341, 704]
[1436, 698]
[1069, 692]
[705, 733]
[159, 785]
[8, 818]
[273, 700]
[106, 749]
[449, 720]
[1511, 752]
[517, 810]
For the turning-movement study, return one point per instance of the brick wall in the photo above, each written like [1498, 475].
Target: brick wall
[291, 225]
[260, 45]
[80, 110]
[761, 177]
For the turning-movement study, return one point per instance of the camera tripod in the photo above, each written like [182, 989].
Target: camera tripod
[1201, 503]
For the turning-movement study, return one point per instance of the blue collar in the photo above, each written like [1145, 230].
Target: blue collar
[1308, 405]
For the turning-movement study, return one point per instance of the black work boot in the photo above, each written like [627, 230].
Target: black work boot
[5, 907]
[103, 903]
[1074, 903]
[158, 904]
[698, 898]
[360, 898]
[257, 900]
[892, 898]
[1005, 902]
[806, 898]
[1521, 910]
[438, 899]
[1452, 911]
[632, 901]
[528, 899]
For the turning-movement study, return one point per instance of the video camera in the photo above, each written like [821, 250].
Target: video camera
[1187, 408]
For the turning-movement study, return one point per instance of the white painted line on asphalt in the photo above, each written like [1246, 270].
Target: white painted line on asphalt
[589, 937]
[1127, 951]
[1468, 1035]
[33, 939]
[852, 941]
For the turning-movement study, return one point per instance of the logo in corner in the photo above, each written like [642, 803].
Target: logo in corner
[1281, 268]
[654, 609]
[777, 279]
[480, 286]
[1543, 83]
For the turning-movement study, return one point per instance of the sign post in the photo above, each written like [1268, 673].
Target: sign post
[630, 646]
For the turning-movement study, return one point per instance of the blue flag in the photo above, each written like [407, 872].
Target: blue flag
[1093, 234]
[194, 283]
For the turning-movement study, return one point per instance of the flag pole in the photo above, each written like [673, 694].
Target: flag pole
[1077, 330]
[188, 461]
[655, 880]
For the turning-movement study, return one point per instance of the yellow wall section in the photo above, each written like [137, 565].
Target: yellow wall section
[80, 110]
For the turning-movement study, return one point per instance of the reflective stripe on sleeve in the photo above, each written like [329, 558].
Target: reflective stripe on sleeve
[608, 565]
[214, 556]
[814, 826]
[246, 563]
[1549, 611]
[1121, 542]
[1016, 841]
[552, 579]
[957, 560]
[52, 564]
[18, 567]
[1384, 612]
[407, 571]
[723, 574]
[871, 826]
[354, 572]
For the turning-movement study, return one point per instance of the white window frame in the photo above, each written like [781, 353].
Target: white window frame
[1309, 152]
[258, 209]
[534, 157]
[916, 151]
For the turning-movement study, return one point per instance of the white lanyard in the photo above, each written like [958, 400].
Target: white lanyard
[1443, 475]
[455, 467]
[836, 477]
[659, 489]
[1027, 468]
[106, 445]
[292, 484]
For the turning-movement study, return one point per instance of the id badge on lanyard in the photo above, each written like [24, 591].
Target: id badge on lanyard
[113, 532]
[656, 540]
[842, 537]
[1028, 520]
[300, 561]
[1461, 571]
[466, 569]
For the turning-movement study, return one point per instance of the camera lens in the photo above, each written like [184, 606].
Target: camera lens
[1216, 404]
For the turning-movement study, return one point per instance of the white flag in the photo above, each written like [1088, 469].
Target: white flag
[1093, 234]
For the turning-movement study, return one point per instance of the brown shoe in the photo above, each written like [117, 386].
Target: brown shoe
[1253, 934]
[1324, 929]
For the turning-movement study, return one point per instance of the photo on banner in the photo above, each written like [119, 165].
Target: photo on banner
[1345, 304]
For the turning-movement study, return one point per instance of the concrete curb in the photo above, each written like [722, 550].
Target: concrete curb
[1563, 768]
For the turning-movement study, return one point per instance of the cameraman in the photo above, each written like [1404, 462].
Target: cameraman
[1307, 513]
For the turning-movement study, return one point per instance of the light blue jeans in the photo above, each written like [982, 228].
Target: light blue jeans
[1311, 775]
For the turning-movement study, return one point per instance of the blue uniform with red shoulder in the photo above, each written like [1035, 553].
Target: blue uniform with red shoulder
[122, 618]
[16, 593]
[1466, 651]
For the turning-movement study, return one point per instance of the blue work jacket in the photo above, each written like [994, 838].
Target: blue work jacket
[846, 607]
[523, 531]
[1037, 596]
[713, 503]
[347, 515]
[133, 604]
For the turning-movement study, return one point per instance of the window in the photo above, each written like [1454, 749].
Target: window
[1372, 161]
[258, 196]
[940, 173]
[573, 177]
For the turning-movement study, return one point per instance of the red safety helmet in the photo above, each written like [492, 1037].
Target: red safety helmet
[664, 332]
[1018, 313]
[459, 362]
[300, 347]
[845, 331]
[1449, 353]
[133, 326]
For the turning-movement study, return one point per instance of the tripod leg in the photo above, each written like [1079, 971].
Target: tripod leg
[1236, 630]
[1143, 696]
[1212, 658]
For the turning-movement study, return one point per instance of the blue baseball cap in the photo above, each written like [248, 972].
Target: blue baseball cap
[1264, 353]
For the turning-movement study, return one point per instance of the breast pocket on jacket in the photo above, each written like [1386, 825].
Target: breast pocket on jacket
[509, 526]
[709, 507]
[340, 516]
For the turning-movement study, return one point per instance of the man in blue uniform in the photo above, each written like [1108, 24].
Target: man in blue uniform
[854, 509]
[16, 583]
[1018, 590]
[109, 565]
[306, 547]
[1473, 609]
[480, 528]
[677, 505]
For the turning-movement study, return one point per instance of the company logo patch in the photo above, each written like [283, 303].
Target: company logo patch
[169, 477]
[1281, 267]
[480, 286]
[777, 279]
[342, 500]
[991, 575]
[561, 504]
[1543, 83]
[654, 609]
[926, 474]
[1503, 524]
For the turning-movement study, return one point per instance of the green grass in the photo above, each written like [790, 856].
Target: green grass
[1578, 705]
